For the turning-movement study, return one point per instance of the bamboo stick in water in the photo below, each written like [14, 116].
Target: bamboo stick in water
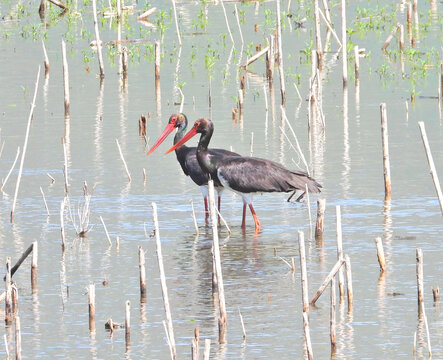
[419, 269]
[303, 272]
[380, 254]
[65, 79]
[223, 319]
[343, 43]
[340, 252]
[123, 159]
[8, 291]
[127, 322]
[18, 339]
[332, 319]
[12, 168]
[97, 39]
[207, 350]
[431, 164]
[91, 307]
[25, 145]
[141, 265]
[34, 262]
[327, 280]
[349, 289]
[307, 336]
[176, 23]
[319, 227]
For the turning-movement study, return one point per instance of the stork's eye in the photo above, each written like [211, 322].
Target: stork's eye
[197, 124]
[173, 119]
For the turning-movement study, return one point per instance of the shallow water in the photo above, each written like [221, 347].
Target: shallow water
[347, 161]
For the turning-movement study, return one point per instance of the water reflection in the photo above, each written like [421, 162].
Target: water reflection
[345, 178]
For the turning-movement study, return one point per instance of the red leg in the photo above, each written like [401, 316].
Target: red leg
[243, 222]
[254, 215]
[206, 210]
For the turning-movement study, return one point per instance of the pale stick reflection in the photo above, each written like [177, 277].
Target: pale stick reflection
[98, 133]
[346, 157]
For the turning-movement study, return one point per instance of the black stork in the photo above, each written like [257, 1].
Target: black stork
[244, 175]
[187, 157]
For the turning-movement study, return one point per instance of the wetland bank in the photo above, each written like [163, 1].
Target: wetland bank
[338, 132]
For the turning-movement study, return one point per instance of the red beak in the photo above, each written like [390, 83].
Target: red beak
[168, 129]
[185, 138]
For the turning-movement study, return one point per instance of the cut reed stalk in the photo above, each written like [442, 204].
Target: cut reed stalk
[12, 168]
[127, 322]
[223, 221]
[123, 159]
[280, 57]
[170, 328]
[428, 337]
[390, 37]
[380, 254]
[52, 179]
[8, 292]
[327, 280]
[270, 60]
[227, 22]
[329, 25]
[339, 251]
[65, 79]
[194, 218]
[223, 319]
[357, 64]
[106, 231]
[307, 336]
[91, 307]
[196, 341]
[176, 23]
[255, 57]
[46, 61]
[385, 145]
[97, 39]
[142, 125]
[303, 272]
[65, 165]
[34, 265]
[319, 225]
[401, 40]
[419, 270]
[59, 4]
[251, 151]
[308, 203]
[147, 13]
[431, 164]
[318, 35]
[332, 318]
[242, 325]
[207, 350]
[25, 145]
[238, 24]
[436, 294]
[142, 270]
[44, 200]
[343, 43]
[349, 289]
[62, 226]
[194, 350]
[157, 62]
[18, 339]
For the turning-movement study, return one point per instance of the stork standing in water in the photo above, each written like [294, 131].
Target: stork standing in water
[187, 157]
[244, 175]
